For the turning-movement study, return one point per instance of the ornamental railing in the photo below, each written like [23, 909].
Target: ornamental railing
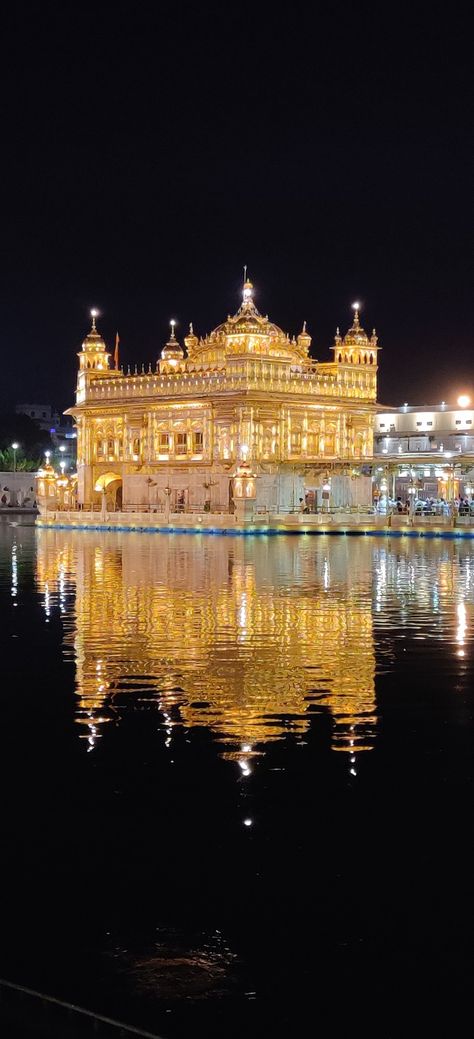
[359, 384]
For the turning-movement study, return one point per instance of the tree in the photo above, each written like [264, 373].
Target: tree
[22, 465]
[33, 442]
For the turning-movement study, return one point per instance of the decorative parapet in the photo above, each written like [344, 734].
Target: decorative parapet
[322, 380]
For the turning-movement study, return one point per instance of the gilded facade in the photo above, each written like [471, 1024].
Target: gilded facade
[173, 437]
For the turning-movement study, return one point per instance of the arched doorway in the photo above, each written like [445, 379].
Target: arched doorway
[110, 485]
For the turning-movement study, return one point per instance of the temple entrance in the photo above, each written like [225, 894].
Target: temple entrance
[109, 485]
[180, 500]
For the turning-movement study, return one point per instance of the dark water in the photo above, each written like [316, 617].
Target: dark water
[237, 778]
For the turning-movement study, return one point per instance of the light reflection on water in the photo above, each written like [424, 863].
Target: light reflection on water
[247, 636]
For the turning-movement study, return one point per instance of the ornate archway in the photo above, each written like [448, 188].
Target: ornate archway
[110, 485]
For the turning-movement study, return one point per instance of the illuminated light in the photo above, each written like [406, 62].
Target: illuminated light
[248, 822]
[464, 401]
[356, 306]
[94, 312]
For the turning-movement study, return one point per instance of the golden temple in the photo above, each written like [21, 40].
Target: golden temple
[172, 438]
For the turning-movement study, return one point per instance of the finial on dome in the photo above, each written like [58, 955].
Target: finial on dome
[94, 314]
[191, 341]
[356, 308]
[304, 327]
[247, 288]
[172, 323]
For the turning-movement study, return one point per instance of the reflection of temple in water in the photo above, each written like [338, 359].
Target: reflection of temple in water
[245, 636]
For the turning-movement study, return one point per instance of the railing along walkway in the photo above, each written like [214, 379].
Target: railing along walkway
[33, 1013]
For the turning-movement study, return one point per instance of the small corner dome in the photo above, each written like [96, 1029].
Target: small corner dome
[94, 340]
[172, 350]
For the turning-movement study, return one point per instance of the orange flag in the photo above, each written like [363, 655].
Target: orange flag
[116, 351]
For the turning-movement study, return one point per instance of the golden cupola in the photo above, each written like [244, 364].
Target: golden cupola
[191, 341]
[248, 333]
[172, 354]
[94, 353]
[304, 339]
[355, 347]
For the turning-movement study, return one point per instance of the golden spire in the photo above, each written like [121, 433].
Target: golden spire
[356, 308]
[94, 314]
[304, 339]
[247, 290]
[191, 341]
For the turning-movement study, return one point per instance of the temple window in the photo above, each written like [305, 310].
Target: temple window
[197, 442]
[164, 443]
[136, 446]
[110, 447]
[181, 443]
[295, 441]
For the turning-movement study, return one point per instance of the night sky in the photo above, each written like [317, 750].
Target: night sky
[148, 153]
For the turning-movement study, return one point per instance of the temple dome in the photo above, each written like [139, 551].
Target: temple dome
[94, 340]
[356, 335]
[172, 351]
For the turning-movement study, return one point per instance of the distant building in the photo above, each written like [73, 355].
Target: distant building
[428, 450]
[59, 427]
[44, 414]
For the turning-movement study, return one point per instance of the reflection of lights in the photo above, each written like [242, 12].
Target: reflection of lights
[462, 623]
[131, 611]
[326, 577]
[47, 600]
[244, 766]
[14, 588]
